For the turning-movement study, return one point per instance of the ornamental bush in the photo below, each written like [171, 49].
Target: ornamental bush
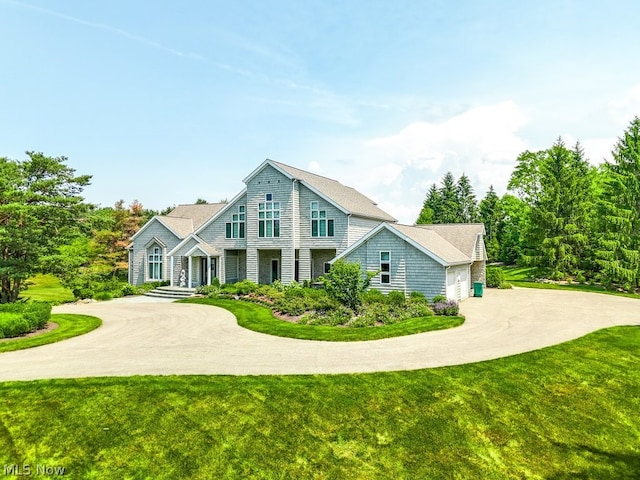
[449, 308]
[345, 282]
[495, 277]
[20, 318]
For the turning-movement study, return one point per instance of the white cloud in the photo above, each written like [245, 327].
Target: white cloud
[398, 169]
[624, 108]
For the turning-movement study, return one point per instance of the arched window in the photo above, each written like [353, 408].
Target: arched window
[155, 263]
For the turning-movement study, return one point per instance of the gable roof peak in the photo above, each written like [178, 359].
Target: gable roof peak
[348, 199]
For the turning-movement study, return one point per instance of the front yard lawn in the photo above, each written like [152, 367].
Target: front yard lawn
[524, 277]
[260, 319]
[569, 411]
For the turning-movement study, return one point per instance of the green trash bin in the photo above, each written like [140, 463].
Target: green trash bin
[478, 288]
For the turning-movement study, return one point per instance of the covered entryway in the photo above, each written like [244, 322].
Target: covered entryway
[269, 266]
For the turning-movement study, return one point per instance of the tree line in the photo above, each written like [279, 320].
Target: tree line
[560, 214]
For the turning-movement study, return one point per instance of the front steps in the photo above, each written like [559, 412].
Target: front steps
[171, 292]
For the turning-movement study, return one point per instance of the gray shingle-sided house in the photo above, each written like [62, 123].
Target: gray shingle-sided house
[289, 224]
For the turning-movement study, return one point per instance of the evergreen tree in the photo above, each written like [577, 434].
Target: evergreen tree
[618, 252]
[468, 206]
[430, 207]
[450, 208]
[490, 212]
[40, 208]
[558, 230]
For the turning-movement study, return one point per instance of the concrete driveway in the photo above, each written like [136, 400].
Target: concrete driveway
[163, 338]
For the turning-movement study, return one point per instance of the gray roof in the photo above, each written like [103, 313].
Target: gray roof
[462, 235]
[185, 219]
[348, 198]
[433, 242]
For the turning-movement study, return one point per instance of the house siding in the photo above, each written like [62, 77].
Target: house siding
[270, 180]
[410, 269]
[359, 227]
[153, 229]
[215, 232]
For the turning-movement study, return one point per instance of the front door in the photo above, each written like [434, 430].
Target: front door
[203, 270]
[275, 270]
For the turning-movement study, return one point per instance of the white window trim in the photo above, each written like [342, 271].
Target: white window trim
[319, 219]
[388, 262]
[148, 262]
[271, 220]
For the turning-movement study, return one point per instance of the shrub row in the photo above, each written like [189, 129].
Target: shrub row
[19, 318]
[320, 308]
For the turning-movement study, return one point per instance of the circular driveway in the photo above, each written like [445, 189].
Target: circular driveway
[144, 337]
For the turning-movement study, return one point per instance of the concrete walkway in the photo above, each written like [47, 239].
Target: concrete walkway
[142, 337]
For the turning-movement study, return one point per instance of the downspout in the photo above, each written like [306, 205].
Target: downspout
[171, 272]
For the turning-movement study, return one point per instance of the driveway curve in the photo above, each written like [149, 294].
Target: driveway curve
[163, 338]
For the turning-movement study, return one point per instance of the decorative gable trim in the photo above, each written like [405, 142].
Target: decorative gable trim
[276, 167]
[157, 241]
[184, 242]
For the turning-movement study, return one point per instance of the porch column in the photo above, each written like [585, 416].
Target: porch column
[208, 269]
[190, 270]
[171, 271]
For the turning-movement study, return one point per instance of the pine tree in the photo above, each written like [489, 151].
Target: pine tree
[468, 206]
[450, 208]
[618, 252]
[430, 207]
[557, 232]
[490, 212]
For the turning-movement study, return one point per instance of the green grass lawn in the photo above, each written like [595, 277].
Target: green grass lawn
[522, 277]
[47, 288]
[565, 412]
[68, 326]
[260, 319]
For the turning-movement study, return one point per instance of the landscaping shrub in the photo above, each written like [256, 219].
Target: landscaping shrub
[245, 287]
[495, 277]
[396, 298]
[20, 318]
[439, 299]
[449, 308]
[417, 297]
[345, 282]
[372, 297]
[103, 296]
[418, 309]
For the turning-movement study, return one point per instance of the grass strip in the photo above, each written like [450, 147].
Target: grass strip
[69, 325]
[260, 319]
[568, 411]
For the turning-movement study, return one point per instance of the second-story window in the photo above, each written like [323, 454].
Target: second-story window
[235, 228]
[321, 226]
[268, 217]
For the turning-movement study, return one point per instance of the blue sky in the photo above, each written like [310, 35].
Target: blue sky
[167, 101]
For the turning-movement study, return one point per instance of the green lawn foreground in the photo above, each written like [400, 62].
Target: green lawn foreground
[569, 411]
[260, 319]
